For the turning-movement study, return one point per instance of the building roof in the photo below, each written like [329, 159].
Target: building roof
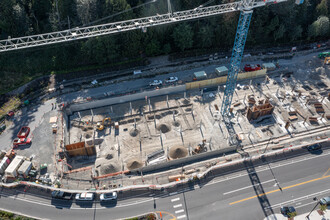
[14, 164]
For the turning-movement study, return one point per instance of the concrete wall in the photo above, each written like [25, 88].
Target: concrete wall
[123, 99]
[187, 160]
[223, 79]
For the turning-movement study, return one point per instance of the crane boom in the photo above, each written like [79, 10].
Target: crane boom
[121, 26]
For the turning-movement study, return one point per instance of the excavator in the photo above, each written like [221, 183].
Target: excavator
[100, 125]
[327, 60]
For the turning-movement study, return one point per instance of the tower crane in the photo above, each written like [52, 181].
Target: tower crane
[244, 6]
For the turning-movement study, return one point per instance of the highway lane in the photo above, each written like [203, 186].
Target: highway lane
[221, 198]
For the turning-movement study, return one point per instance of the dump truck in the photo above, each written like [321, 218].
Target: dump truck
[24, 132]
[57, 194]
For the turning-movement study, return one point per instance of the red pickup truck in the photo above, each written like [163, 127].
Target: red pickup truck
[252, 67]
[21, 141]
[24, 132]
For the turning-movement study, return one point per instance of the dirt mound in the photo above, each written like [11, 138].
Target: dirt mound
[134, 164]
[106, 166]
[164, 128]
[176, 123]
[178, 152]
[134, 132]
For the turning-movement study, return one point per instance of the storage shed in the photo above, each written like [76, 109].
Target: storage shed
[11, 170]
[200, 75]
[269, 66]
[221, 71]
[25, 168]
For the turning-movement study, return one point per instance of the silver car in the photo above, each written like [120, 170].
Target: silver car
[108, 196]
[85, 196]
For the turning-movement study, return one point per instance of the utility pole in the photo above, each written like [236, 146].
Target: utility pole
[315, 199]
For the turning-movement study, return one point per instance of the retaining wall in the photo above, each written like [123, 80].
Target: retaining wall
[123, 99]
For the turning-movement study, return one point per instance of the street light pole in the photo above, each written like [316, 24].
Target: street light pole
[315, 199]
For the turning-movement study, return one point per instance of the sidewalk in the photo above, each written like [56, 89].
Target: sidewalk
[313, 216]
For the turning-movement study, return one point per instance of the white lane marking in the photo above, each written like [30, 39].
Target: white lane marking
[173, 193]
[305, 204]
[236, 190]
[177, 206]
[299, 199]
[181, 216]
[299, 203]
[179, 211]
[264, 169]
[176, 199]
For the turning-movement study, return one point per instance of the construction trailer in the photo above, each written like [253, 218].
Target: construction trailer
[25, 168]
[11, 170]
[221, 71]
[258, 111]
[269, 66]
[200, 75]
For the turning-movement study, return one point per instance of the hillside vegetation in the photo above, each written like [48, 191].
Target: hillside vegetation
[274, 25]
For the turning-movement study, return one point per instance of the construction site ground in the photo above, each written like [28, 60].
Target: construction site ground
[179, 123]
[185, 122]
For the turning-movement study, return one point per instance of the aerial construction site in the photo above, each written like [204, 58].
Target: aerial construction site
[171, 122]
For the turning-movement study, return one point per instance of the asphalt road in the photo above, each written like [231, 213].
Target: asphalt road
[225, 197]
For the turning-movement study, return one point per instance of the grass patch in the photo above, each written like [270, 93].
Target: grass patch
[11, 105]
[150, 216]
[11, 216]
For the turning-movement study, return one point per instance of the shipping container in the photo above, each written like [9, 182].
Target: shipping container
[11, 170]
[3, 165]
[25, 168]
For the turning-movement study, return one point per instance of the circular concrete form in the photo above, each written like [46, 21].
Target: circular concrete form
[164, 128]
[176, 123]
[134, 132]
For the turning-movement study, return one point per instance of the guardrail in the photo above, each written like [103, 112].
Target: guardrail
[167, 185]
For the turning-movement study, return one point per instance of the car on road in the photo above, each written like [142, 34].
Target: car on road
[171, 79]
[314, 147]
[156, 83]
[325, 201]
[287, 210]
[21, 141]
[57, 194]
[108, 196]
[84, 197]
[252, 67]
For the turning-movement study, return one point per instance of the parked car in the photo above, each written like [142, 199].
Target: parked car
[285, 210]
[10, 113]
[314, 147]
[108, 196]
[252, 67]
[171, 79]
[325, 200]
[156, 83]
[57, 194]
[85, 197]
[21, 141]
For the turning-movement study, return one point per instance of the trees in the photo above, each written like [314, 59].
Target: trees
[183, 36]
[320, 27]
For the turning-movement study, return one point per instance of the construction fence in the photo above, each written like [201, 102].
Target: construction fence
[223, 79]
